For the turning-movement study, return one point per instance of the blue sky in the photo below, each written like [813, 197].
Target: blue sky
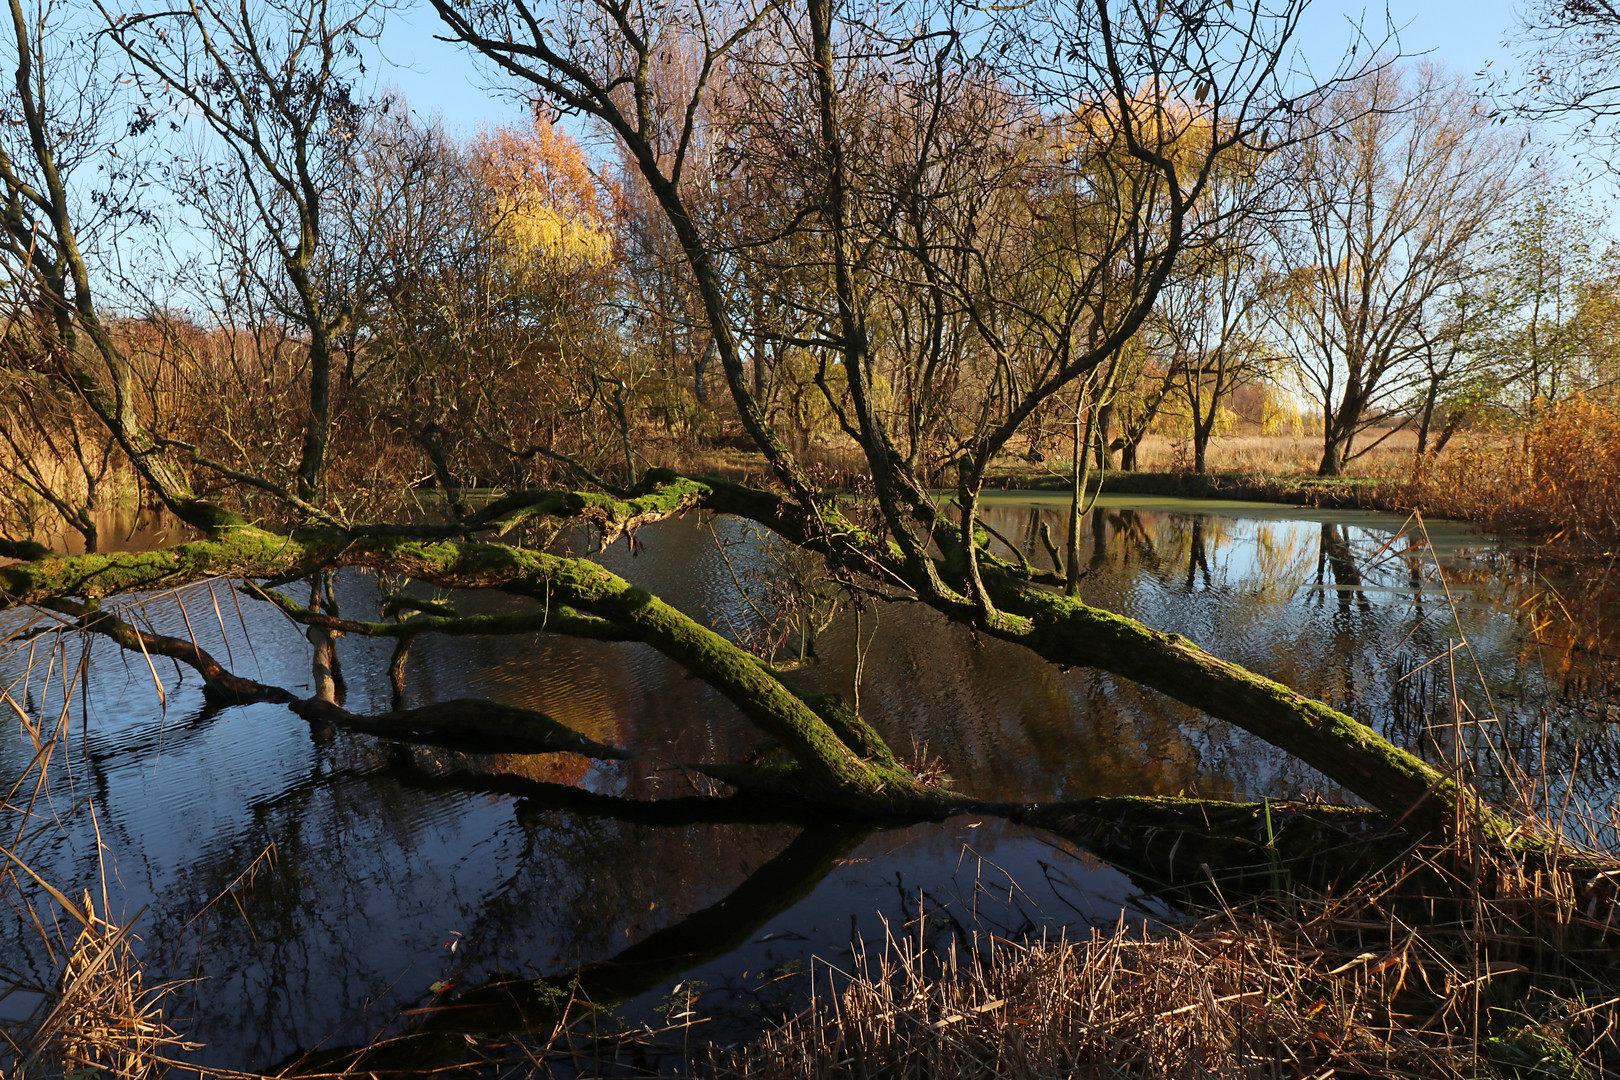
[437, 77]
[1464, 36]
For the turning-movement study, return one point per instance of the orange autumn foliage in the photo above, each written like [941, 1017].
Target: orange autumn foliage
[550, 211]
[1556, 475]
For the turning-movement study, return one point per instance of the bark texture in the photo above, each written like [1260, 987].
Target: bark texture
[837, 757]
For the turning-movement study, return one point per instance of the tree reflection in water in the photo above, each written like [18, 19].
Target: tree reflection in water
[315, 888]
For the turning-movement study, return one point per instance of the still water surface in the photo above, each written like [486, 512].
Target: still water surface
[313, 888]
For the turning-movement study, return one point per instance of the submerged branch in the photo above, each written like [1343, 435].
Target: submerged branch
[220, 686]
[537, 797]
[473, 725]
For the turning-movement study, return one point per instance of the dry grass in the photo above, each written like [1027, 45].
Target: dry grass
[1264, 455]
[1291, 455]
[1298, 988]
[96, 1017]
[103, 1020]
[1248, 451]
[1557, 474]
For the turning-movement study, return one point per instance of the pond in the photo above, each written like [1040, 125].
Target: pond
[309, 890]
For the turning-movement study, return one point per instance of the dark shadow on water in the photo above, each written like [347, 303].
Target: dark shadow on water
[333, 877]
[506, 1008]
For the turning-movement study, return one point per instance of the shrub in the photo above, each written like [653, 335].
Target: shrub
[1555, 474]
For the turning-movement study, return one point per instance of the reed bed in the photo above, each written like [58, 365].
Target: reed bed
[1555, 474]
[1287, 987]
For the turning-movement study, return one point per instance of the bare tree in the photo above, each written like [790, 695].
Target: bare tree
[1211, 316]
[1568, 80]
[60, 234]
[276, 84]
[1404, 177]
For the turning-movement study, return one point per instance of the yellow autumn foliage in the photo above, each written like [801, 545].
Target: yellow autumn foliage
[537, 238]
[550, 214]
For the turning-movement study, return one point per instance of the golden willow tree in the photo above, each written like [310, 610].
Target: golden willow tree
[993, 205]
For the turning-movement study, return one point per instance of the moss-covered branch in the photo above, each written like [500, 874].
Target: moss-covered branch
[841, 757]
[844, 763]
[845, 723]
[661, 496]
[833, 769]
[473, 725]
[1069, 632]
[1065, 630]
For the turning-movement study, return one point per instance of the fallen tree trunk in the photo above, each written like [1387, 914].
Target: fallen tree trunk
[837, 757]
[1066, 631]
[860, 772]
[1069, 632]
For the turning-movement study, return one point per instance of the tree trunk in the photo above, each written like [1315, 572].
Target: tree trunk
[1105, 451]
[700, 370]
[1332, 463]
[1339, 431]
[1200, 450]
[839, 760]
[1429, 402]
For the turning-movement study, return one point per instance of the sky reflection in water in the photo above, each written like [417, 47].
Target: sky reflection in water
[316, 888]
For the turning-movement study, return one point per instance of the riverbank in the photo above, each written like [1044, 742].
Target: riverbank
[1315, 492]
[1386, 493]
[1554, 478]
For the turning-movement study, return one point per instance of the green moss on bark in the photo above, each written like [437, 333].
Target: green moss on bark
[843, 758]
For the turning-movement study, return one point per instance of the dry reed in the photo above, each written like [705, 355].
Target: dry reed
[1555, 474]
[103, 1020]
[1302, 987]
[96, 1017]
